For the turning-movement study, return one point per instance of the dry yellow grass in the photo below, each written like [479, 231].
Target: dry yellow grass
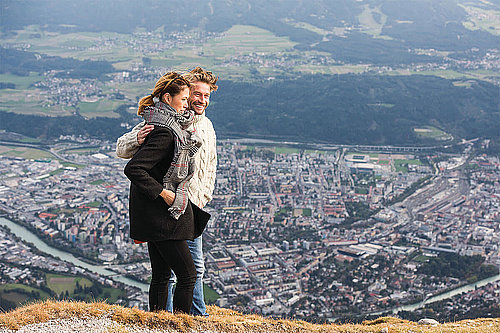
[222, 320]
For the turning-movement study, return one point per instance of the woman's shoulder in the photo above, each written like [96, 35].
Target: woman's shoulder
[160, 135]
[160, 130]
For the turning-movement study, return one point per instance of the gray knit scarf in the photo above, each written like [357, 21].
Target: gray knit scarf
[187, 143]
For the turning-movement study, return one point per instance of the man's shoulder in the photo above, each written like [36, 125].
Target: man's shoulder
[206, 122]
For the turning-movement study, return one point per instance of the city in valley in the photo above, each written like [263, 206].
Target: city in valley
[313, 233]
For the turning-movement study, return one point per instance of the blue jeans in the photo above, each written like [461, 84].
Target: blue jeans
[198, 307]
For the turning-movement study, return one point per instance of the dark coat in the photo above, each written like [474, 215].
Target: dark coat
[149, 216]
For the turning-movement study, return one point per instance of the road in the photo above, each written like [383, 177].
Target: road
[52, 150]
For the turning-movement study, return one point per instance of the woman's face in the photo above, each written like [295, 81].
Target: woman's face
[179, 101]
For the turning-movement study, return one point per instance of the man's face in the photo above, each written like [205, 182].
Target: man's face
[199, 97]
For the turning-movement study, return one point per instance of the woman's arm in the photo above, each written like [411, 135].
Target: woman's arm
[158, 145]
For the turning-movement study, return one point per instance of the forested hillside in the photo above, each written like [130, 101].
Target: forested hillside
[355, 108]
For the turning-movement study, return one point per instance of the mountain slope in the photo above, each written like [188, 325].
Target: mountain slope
[375, 31]
[366, 109]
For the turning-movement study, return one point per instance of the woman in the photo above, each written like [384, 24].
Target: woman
[160, 212]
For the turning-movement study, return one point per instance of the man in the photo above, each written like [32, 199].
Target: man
[202, 184]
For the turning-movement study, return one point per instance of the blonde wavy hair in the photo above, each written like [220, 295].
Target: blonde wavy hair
[199, 74]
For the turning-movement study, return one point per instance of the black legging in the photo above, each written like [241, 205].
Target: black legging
[175, 255]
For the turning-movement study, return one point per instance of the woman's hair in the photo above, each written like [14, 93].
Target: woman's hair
[170, 82]
[199, 74]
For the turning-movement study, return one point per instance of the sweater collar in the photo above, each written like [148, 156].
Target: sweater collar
[199, 117]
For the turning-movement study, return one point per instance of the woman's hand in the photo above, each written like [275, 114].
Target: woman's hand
[141, 135]
[168, 196]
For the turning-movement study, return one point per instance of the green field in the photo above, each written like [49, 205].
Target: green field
[62, 283]
[210, 295]
[23, 152]
[21, 82]
[466, 84]
[285, 150]
[56, 172]
[307, 212]
[421, 259]
[100, 108]
[306, 26]
[29, 140]
[246, 39]
[370, 24]
[82, 151]
[111, 295]
[73, 165]
[95, 204]
[320, 152]
[20, 294]
[449, 74]
[12, 287]
[250, 148]
[361, 190]
[402, 165]
[432, 133]
[337, 69]
[484, 75]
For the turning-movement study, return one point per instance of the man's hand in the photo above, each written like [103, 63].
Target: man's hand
[141, 135]
[168, 196]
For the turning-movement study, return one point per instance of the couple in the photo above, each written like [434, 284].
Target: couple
[172, 174]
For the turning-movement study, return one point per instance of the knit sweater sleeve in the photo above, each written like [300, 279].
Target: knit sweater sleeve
[201, 186]
[127, 145]
[209, 184]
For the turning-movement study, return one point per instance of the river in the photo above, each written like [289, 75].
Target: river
[30, 237]
[448, 294]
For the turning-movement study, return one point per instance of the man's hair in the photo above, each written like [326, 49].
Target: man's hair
[199, 74]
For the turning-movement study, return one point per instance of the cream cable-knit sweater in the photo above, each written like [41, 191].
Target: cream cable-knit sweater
[201, 186]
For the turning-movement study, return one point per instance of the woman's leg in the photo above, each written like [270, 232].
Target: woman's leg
[198, 308]
[184, 269]
[158, 291]
[176, 256]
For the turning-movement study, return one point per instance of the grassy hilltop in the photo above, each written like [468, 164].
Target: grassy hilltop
[220, 320]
